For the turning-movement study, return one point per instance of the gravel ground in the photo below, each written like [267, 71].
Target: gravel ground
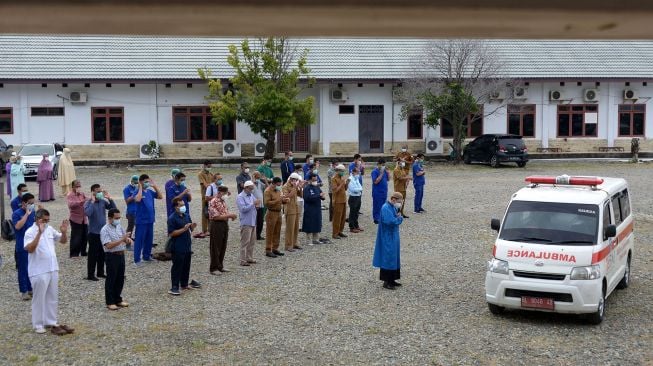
[325, 304]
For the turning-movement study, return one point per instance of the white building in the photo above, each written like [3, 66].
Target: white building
[104, 96]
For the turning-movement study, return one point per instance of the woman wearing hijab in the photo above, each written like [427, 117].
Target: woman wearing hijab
[44, 178]
[17, 175]
[66, 173]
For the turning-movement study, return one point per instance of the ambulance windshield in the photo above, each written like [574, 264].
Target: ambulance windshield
[551, 223]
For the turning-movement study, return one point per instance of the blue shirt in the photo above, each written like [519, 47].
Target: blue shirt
[145, 208]
[173, 191]
[382, 187]
[181, 243]
[130, 191]
[418, 180]
[15, 203]
[361, 171]
[287, 167]
[247, 209]
[306, 168]
[20, 233]
[97, 214]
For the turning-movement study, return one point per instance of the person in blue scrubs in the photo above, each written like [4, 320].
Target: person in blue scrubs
[177, 190]
[17, 202]
[380, 177]
[23, 218]
[418, 182]
[144, 221]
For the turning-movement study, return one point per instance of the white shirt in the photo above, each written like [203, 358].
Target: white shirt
[44, 258]
[211, 190]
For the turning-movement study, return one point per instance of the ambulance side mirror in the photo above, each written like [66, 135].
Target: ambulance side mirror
[495, 224]
[610, 231]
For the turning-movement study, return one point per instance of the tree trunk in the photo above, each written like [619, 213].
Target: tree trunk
[457, 144]
[270, 148]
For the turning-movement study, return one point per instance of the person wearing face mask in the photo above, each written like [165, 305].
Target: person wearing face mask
[265, 168]
[128, 193]
[406, 156]
[243, 177]
[206, 178]
[22, 219]
[306, 167]
[247, 205]
[418, 182]
[380, 178]
[16, 202]
[171, 181]
[95, 209]
[355, 191]
[401, 178]
[44, 178]
[358, 163]
[287, 166]
[387, 247]
[339, 185]
[212, 189]
[259, 188]
[145, 216]
[273, 201]
[219, 215]
[312, 220]
[178, 190]
[180, 227]
[290, 191]
[17, 174]
[78, 220]
[114, 243]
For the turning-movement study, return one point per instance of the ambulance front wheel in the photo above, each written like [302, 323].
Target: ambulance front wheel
[495, 309]
[598, 316]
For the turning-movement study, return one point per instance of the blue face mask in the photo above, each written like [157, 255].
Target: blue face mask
[115, 222]
[277, 188]
[99, 196]
[23, 193]
[219, 182]
[146, 185]
[183, 183]
[182, 209]
[315, 171]
[31, 207]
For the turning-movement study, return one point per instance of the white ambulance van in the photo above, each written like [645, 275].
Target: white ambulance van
[565, 243]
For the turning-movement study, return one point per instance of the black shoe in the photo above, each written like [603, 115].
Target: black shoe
[102, 276]
[376, 222]
[260, 238]
[395, 283]
[270, 254]
[405, 217]
[277, 252]
[92, 278]
[388, 285]
[195, 284]
[154, 245]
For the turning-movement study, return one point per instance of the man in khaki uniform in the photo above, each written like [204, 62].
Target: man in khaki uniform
[406, 156]
[273, 201]
[206, 178]
[339, 188]
[291, 190]
[400, 178]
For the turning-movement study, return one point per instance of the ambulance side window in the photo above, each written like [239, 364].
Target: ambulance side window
[617, 209]
[606, 218]
[624, 203]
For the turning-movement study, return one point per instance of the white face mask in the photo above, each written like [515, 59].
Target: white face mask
[222, 198]
[246, 170]
[397, 205]
[402, 164]
[403, 150]
[314, 183]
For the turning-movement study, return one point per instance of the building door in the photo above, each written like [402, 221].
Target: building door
[370, 128]
[296, 140]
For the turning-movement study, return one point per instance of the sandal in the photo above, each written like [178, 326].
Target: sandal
[112, 307]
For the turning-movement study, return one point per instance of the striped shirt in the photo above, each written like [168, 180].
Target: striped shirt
[111, 233]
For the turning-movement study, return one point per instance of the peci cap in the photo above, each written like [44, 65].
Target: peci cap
[249, 183]
[295, 176]
[340, 167]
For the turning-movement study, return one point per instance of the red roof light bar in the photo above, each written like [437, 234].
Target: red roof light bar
[565, 180]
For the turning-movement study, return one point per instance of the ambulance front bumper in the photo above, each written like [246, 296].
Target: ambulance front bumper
[570, 296]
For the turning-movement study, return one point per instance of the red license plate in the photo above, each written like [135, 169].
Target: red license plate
[537, 302]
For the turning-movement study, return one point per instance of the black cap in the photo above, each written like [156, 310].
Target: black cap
[381, 161]
[276, 180]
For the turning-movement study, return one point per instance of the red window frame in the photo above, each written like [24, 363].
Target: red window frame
[107, 115]
[521, 110]
[207, 117]
[568, 109]
[9, 115]
[472, 117]
[416, 113]
[630, 109]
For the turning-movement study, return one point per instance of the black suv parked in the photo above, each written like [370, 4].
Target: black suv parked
[496, 149]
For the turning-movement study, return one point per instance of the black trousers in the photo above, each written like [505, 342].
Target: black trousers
[330, 206]
[259, 222]
[389, 275]
[115, 278]
[180, 272]
[354, 211]
[95, 262]
[78, 239]
[130, 224]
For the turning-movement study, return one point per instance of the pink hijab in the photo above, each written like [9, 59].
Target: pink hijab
[45, 169]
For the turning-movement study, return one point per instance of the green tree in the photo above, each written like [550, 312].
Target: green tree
[264, 92]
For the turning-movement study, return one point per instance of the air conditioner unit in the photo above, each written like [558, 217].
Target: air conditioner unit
[434, 146]
[144, 151]
[591, 95]
[339, 95]
[555, 95]
[520, 92]
[630, 94]
[498, 95]
[230, 148]
[78, 97]
[259, 148]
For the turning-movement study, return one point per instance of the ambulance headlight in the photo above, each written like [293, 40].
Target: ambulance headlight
[586, 273]
[497, 266]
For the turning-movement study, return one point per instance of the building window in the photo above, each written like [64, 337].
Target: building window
[631, 119]
[473, 125]
[47, 111]
[577, 120]
[415, 123]
[521, 119]
[346, 109]
[6, 120]
[196, 124]
[108, 124]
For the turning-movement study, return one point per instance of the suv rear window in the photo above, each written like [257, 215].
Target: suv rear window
[511, 140]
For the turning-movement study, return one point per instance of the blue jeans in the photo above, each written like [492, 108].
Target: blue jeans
[419, 194]
[143, 242]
